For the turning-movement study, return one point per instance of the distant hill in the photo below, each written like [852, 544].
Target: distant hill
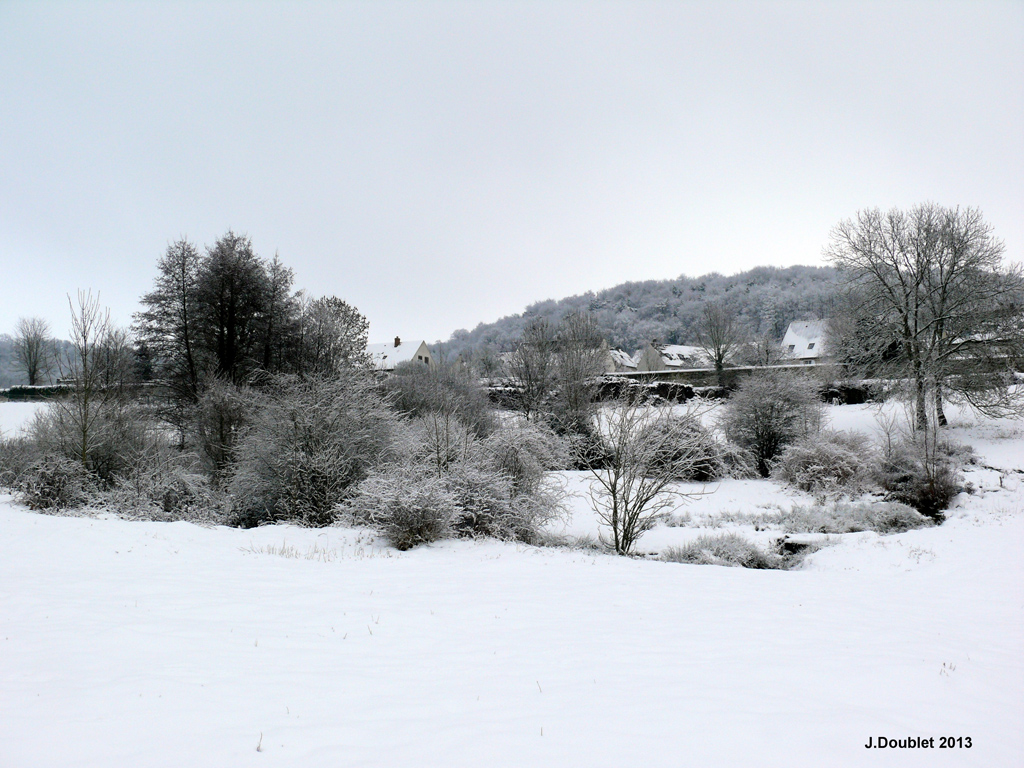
[766, 299]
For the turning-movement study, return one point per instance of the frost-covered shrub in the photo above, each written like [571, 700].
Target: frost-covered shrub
[827, 463]
[444, 440]
[893, 517]
[488, 503]
[103, 437]
[219, 422]
[852, 517]
[55, 482]
[587, 450]
[724, 549]
[484, 501]
[920, 473]
[407, 506]
[418, 390]
[525, 452]
[307, 446]
[770, 411]
[17, 456]
[688, 447]
[165, 484]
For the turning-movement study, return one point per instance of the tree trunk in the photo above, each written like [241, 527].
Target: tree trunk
[920, 405]
[940, 415]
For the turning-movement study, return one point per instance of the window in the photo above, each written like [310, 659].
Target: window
[792, 347]
[420, 357]
[811, 345]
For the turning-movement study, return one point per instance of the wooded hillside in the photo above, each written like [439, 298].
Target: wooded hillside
[766, 300]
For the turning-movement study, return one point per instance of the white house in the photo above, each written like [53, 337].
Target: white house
[384, 357]
[804, 341]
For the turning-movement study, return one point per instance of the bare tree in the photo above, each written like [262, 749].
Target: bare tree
[532, 366]
[647, 449]
[578, 364]
[331, 336]
[763, 350]
[83, 414]
[719, 334]
[934, 304]
[33, 348]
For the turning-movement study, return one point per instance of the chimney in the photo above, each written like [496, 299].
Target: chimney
[398, 342]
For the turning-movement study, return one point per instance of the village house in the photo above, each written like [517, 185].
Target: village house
[669, 357]
[384, 357]
[804, 341]
[616, 360]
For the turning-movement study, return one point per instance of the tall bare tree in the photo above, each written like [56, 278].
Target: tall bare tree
[719, 334]
[83, 414]
[934, 304]
[579, 360]
[33, 348]
[532, 366]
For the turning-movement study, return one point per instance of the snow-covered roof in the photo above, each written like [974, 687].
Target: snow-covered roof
[385, 357]
[682, 355]
[804, 339]
[622, 359]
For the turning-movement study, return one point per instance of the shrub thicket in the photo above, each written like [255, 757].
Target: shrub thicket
[770, 411]
[827, 463]
[165, 484]
[688, 447]
[852, 517]
[408, 506]
[103, 437]
[724, 549]
[307, 445]
[17, 455]
[453, 390]
[55, 483]
[525, 452]
[920, 473]
[220, 418]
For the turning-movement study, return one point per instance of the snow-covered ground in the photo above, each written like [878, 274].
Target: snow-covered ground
[155, 644]
[15, 416]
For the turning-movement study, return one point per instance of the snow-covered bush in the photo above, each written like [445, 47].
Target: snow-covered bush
[921, 473]
[307, 446]
[219, 421]
[17, 455]
[444, 440]
[485, 503]
[770, 411]
[419, 390]
[827, 463]
[103, 437]
[525, 452]
[165, 484]
[851, 517]
[406, 505]
[724, 549]
[688, 447]
[55, 482]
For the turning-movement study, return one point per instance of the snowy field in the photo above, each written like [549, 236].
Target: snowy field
[14, 416]
[155, 644]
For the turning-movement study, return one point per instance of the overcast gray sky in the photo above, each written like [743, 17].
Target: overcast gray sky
[442, 164]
